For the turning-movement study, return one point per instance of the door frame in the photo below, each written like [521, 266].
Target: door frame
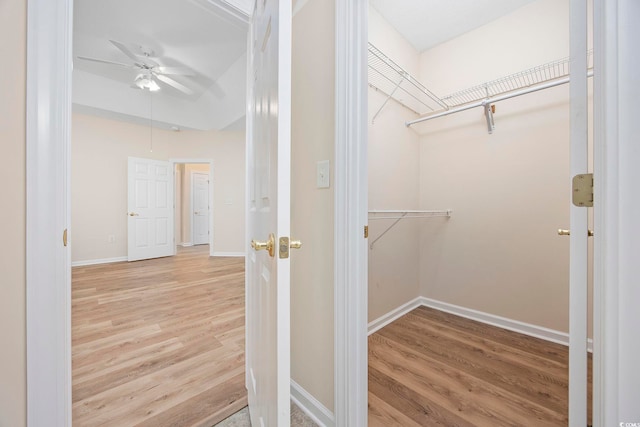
[48, 344]
[350, 211]
[199, 161]
[612, 327]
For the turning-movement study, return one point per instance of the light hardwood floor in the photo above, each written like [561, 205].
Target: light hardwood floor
[431, 368]
[158, 342]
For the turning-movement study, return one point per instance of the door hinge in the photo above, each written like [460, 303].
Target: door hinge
[366, 231]
[582, 190]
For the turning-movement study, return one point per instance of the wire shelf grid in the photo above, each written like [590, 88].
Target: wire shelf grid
[520, 80]
[396, 83]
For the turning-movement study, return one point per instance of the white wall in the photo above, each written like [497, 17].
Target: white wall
[500, 252]
[312, 209]
[13, 378]
[100, 148]
[393, 183]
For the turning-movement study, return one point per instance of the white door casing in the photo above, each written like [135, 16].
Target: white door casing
[200, 208]
[268, 212]
[150, 225]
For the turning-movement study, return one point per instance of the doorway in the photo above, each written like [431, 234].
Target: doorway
[194, 197]
[464, 167]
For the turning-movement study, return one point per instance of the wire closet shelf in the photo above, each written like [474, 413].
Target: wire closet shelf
[396, 83]
[399, 215]
[393, 81]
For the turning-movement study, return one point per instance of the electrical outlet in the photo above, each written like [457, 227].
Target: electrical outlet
[322, 177]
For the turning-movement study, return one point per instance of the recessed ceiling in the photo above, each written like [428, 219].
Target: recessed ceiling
[427, 23]
[205, 38]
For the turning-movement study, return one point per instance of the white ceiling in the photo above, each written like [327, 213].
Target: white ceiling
[206, 36]
[427, 23]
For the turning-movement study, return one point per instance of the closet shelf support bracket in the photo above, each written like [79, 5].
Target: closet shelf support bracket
[373, 120]
[387, 230]
[489, 109]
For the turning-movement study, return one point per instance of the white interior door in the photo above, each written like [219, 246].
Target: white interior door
[200, 208]
[268, 213]
[578, 254]
[150, 209]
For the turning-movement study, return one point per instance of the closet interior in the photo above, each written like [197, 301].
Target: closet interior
[469, 184]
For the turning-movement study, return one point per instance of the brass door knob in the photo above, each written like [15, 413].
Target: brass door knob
[295, 244]
[562, 232]
[268, 246]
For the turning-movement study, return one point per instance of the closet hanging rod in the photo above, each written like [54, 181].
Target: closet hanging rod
[494, 99]
[399, 214]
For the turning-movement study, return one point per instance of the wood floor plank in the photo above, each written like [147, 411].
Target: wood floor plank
[158, 342]
[468, 359]
[440, 369]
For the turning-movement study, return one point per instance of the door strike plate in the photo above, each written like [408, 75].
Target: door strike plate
[582, 190]
[283, 247]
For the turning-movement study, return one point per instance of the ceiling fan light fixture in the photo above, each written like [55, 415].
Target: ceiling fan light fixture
[153, 86]
[146, 82]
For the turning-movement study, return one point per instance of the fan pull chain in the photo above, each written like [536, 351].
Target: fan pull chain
[150, 123]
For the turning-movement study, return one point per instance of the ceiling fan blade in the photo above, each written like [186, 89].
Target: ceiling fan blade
[103, 61]
[125, 50]
[217, 91]
[178, 71]
[182, 88]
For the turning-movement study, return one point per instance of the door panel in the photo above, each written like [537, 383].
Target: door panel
[150, 216]
[200, 216]
[578, 255]
[268, 212]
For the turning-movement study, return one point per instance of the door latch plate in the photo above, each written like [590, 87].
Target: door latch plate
[283, 247]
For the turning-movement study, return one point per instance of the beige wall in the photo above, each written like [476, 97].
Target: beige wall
[393, 183]
[499, 253]
[100, 148]
[12, 214]
[312, 208]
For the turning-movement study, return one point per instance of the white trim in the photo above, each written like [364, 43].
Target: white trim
[311, 406]
[605, 307]
[229, 254]
[535, 331]
[616, 243]
[541, 332]
[48, 262]
[186, 244]
[393, 315]
[351, 183]
[98, 261]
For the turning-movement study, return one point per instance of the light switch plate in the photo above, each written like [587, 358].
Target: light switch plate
[323, 174]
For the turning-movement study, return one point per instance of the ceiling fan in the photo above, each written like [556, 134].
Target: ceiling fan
[150, 72]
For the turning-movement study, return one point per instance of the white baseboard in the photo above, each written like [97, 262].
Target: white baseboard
[395, 314]
[311, 406]
[98, 261]
[186, 244]
[479, 316]
[236, 254]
